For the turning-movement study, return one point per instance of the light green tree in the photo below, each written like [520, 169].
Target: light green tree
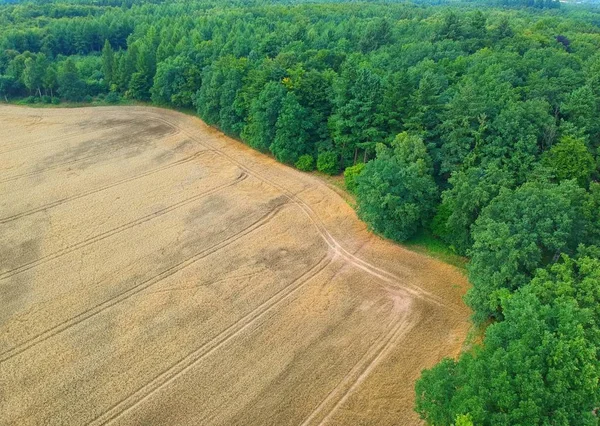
[33, 74]
[108, 64]
[570, 159]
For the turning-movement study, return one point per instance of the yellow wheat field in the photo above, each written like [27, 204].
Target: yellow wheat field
[156, 272]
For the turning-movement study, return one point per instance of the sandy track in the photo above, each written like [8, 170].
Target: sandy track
[153, 271]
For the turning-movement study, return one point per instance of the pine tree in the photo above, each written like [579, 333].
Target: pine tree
[108, 64]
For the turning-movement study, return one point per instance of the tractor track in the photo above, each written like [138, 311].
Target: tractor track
[102, 306]
[114, 231]
[61, 201]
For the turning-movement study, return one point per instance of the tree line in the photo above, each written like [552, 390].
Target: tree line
[479, 126]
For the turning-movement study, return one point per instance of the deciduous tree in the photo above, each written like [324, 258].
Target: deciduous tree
[396, 193]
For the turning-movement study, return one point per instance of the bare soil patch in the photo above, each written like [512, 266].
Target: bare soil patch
[154, 271]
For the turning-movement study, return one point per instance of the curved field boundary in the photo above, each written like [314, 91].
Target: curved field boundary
[102, 188]
[209, 347]
[118, 229]
[329, 239]
[100, 307]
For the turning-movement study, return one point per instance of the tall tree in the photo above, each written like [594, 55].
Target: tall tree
[176, 82]
[7, 86]
[396, 193]
[50, 81]
[219, 99]
[141, 80]
[70, 86]
[292, 138]
[108, 64]
[127, 66]
[259, 133]
[354, 122]
[470, 191]
[33, 74]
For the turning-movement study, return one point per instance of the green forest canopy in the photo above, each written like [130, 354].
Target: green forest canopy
[479, 123]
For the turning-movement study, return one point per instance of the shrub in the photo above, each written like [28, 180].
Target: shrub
[55, 100]
[350, 175]
[327, 162]
[306, 163]
[112, 98]
[46, 99]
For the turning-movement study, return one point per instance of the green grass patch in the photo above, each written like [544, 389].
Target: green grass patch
[424, 242]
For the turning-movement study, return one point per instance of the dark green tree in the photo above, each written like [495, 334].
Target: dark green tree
[591, 209]
[539, 366]
[219, 99]
[259, 133]
[354, 122]
[377, 33]
[518, 135]
[426, 104]
[396, 193]
[519, 231]
[127, 67]
[7, 86]
[232, 114]
[142, 79]
[176, 82]
[470, 191]
[292, 138]
[70, 86]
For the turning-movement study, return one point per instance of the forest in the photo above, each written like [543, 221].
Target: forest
[479, 124]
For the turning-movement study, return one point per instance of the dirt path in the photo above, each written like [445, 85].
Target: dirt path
[154, 271]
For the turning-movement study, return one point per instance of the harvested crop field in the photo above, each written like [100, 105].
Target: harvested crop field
[156, 272]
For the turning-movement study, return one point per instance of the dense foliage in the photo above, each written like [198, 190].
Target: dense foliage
[396, 191]
[478, 124]
[540, 366]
